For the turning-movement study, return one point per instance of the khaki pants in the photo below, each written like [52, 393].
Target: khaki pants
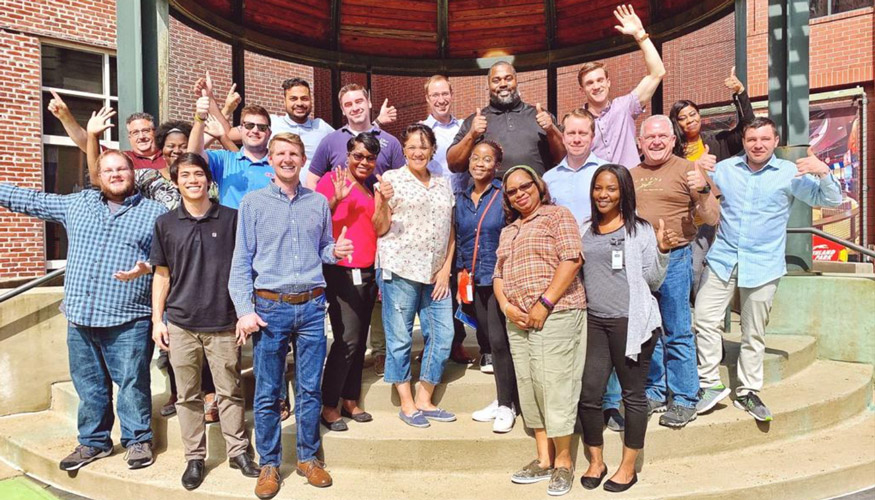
[549, 368]
[187, 351]
[711, 302]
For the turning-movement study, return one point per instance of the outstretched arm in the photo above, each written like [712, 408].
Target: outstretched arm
[61, 111]
[631, 25]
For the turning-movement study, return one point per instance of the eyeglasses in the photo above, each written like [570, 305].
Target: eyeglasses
[522, 187]
[360, 157]
[485, 159]
[438, 95]
[142, 131]
[262, 127]
[111, 172]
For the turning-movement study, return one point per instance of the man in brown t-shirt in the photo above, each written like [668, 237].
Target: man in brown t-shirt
[673, 189]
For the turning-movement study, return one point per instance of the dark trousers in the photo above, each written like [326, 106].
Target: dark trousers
[491, 326]
[349, 310]
[458, 326]
[606, 350]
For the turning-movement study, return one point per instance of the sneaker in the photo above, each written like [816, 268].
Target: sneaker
[752, 404]
[439, 415]
[169, 408]
[614, 420]
[505, 417]
[654, 406]
[380, 365]
[139, 455]
[81, 456]
[709, 397]
[678, 416]
[486, 414]
[560, 481]
[417, 419]
[486, 363]
[532, 473]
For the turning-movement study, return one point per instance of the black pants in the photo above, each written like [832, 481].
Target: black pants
[458, 326]
[349, 310]
[491, 324]
[606, 350]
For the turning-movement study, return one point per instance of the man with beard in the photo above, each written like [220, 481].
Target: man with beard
[107, 309]
[528, 135]
[674, 190]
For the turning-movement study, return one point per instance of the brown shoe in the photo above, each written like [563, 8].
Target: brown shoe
[285, 412]
[380, 364]
[268, 484]
[211, 413]
[314, 471]
[459, 355]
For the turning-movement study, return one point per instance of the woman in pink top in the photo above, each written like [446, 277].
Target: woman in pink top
[351, 286]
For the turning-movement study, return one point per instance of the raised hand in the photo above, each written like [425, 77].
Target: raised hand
[204, 83]
[733, 83]
[388, 114]
[213, 128]
[811, 165]
[247, 325]
[232, 100]
[342, 183]
[58, 107]
[544, 119]
[707, 161]
[343, 246]
[666, 239]
[141, 268]
[384, 191]
[202, 108]
[161, 336]
[99, 121]
[696, 179]
[630, 23]
[478, 125]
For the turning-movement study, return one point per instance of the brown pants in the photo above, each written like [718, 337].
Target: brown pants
[187, 351]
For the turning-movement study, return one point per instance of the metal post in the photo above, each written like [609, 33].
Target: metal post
[788, 105]
[552, 98]
[238, 76]
[140, 64]
[656, 102]
[336, 115]
[741, 40]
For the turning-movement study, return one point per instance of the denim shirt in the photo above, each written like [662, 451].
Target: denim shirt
[467, 217]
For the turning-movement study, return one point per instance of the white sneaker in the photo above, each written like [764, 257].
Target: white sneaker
[486, 414]
[505, 417]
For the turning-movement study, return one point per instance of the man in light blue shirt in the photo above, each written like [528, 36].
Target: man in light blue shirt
[748, 253]
[439, 96]
[299, 103]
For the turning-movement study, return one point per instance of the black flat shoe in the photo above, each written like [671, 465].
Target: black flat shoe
[243, 462]
[591, 483]
[620, 487]
[336, 426]
[358, 417]
[193, 475]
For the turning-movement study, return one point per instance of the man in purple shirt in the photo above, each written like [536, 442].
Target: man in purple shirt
[356, 106]
[615, 135]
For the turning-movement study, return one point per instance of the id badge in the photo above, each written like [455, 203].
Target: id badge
[616, 259]
[356, 277]
[469, 291]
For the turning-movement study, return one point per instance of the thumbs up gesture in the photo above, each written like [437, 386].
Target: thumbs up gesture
[707, 161]
[666, 239]
[733, 83]
[343, 246]
[383, 189]
[388, 114]
[696, 179]
[543, 117]
[202, 108]
[478, 125]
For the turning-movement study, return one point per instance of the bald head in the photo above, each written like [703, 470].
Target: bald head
[504, 65]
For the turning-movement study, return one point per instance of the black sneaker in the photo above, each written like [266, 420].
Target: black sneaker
[614, 420]
[81, 456]
[139, 455]
[678, 416]
[654, 406]
[486, 363]
[752, 404]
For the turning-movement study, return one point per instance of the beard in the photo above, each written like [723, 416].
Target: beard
[508, 102]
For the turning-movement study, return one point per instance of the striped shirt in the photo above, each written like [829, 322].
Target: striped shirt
[101, 243]
[281, 244]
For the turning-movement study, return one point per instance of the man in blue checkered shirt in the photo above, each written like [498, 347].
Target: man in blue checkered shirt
[107, 301]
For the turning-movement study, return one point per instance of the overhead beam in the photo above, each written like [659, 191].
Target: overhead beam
[443, 30]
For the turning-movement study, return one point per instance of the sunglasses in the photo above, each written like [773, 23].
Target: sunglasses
[522, 187]
[360, 157]
[261, 126]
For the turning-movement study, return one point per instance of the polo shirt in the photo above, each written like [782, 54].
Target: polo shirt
[444, 133]
[516, 130]
[615, 139]
[332, 152]
[236, 174]
[311, 133]
[573, 188]
[198, 253]
[155, 160]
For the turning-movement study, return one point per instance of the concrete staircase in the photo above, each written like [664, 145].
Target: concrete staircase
[820, 444]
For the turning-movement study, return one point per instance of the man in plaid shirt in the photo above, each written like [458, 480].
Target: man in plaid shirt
[107, 301]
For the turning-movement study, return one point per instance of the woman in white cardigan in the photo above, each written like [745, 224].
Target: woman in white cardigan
[624, 261]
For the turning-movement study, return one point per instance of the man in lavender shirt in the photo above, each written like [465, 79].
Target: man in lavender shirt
[615, 135]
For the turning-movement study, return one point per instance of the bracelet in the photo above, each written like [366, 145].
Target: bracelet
[504, 309]
[197, 118]
[643, 37]
[546, 303]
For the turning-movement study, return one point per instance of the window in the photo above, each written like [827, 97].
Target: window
[85, 81]
[820, 8]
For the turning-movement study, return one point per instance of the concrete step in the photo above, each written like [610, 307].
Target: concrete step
[822, 395]
[815, 465]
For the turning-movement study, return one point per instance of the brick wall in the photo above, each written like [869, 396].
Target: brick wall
[91, 22]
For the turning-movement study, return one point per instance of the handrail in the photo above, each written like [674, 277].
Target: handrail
[835, 239]
[32, 284]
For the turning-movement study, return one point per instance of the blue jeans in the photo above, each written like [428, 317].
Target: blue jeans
[612, 393]
[100, 357]
[303, 324]
[402, 301]
[673, 365]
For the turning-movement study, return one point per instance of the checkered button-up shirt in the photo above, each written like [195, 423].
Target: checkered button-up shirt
[529, 253]
[101, 243]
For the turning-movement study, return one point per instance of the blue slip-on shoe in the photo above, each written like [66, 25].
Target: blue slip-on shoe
[415, 420]
[438, 415]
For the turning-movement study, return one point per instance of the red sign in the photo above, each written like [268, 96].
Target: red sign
[823, 249]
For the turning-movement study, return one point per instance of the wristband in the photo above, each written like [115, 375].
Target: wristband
[705, 190]
[546, 303]
[197, 118]
[643, 37]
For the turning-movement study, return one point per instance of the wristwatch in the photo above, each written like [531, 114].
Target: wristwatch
[705, 190]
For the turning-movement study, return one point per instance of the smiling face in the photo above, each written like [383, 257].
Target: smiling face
[690, 122]
[286, 159]
[356, 108]
[596, 86]
[361, 162]
[116, 177]
[418, 151]
[192, 182]
[606, 192]
[522, 191]
[298, 103]
[141, 134]
[440, 100]
[656, 141]
[174, 145]
[759, 145]
[481, 164]
[577, 136]
[253, 138]
[503, 85]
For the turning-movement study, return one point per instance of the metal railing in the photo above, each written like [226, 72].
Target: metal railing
[32, 284]
[835, 239]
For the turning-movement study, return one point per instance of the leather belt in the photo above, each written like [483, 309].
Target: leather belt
[291, 298]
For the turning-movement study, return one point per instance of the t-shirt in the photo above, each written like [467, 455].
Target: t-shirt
[355, 212]
[607, 289]
[662, 193]
[332, 152]
[694, 150]
[615, 138]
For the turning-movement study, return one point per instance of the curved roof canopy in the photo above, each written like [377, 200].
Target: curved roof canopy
[451, 36]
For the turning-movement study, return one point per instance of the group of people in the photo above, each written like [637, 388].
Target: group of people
[574, 248]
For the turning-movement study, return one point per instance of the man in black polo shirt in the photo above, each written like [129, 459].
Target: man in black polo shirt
[527, 135]
[191, 253]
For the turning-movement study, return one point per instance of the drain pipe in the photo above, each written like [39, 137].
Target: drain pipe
[864, 168]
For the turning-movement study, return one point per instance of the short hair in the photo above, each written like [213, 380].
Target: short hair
[501, 63]
[366, 139]
[255, 109]
[657, 118]
[295, 82]
[589, 67]
[113, 152]
[351, 87]
[168, 128]
[288, 138]
[511, 214]
[422, 130]
[580, 113]
[140, 116]
[190, 159]
[437, 78]
[758, 122]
